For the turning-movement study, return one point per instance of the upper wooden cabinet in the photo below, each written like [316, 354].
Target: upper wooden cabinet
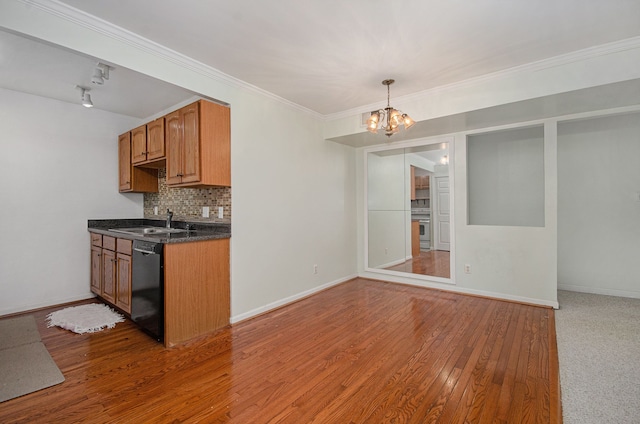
[139, 144]
[413, 182]
[124, 161]
[198, 146]
[147, 145]
[422, 182]
[131, 178]
[155, 140]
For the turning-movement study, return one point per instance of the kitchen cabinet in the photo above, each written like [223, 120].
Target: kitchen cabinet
[415, 238]
[413, 182]
[422, 182]
[198, 146]
[148, 145]
[123, 274]
[196, 289]
[155, 140]
[96, 263]
[139, 144]
[111, 270]
[196, 277]
[131, 178]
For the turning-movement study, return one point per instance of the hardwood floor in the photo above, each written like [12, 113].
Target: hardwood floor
[361, 352]
[430, 262]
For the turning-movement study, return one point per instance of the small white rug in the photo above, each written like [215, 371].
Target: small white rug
[85, 318]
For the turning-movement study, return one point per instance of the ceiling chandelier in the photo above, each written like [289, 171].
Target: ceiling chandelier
[388, 119]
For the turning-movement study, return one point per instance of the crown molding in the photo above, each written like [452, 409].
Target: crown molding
[576, 56]
[105, 28]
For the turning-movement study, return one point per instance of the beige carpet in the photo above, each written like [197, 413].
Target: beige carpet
[599, 354]
[25, 363]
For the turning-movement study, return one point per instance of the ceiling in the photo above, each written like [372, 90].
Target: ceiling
[326, 56]
[49, 71]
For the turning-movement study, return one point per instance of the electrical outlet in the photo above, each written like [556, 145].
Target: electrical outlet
[155, 210]
[315, 268]
[467, 269]
[220, 212]
[205, 211]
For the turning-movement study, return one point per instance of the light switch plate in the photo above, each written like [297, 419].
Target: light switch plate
[220, 212]
[205, 211]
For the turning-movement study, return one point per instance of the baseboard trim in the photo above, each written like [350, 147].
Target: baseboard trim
[36, 306]
[599, 290]
[288, 300]
[460, 290]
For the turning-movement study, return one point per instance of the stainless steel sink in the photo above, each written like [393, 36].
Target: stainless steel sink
[149, 230]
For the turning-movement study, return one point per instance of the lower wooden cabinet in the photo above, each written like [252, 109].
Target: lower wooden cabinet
[111, 270]
[196, 283]
[108, 292]
[96, 268]
[415, 238]
[196, 288]
[123, 287]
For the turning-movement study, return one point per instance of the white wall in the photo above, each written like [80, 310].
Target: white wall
[513, 262]
[293, 197]
[60, 168]
[599, 205]
[292, 191]
[517, 263]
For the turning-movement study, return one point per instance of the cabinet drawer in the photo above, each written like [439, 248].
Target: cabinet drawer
[96, 240]
[109, 243]
[124, 246]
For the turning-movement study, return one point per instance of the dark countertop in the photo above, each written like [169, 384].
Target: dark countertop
[198, 231]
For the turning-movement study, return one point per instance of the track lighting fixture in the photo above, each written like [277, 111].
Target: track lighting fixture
[85, 97]
[100, 74]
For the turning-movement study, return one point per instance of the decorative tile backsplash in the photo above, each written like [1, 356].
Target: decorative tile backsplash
[187, 202]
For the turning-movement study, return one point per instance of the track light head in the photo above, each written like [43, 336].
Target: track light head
[100, 74]
[85, 97]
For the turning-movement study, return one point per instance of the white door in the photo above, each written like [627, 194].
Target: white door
[442, 221]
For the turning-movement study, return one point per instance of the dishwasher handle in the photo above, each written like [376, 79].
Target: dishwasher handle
[148, 252]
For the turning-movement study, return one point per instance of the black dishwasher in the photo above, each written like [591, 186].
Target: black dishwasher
[147, 288]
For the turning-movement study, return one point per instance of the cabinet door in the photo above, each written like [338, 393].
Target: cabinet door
[173, 139]
[155, 139]
[139, 144]
[124, 161]
[96, 269]
[415, 238]
[123, 294]
[413, 182]
[190, 117]
[109, 275]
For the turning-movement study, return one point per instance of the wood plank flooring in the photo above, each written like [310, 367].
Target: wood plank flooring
[361, 352]
[435, 263]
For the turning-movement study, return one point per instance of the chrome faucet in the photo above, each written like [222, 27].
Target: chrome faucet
[169, 216]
